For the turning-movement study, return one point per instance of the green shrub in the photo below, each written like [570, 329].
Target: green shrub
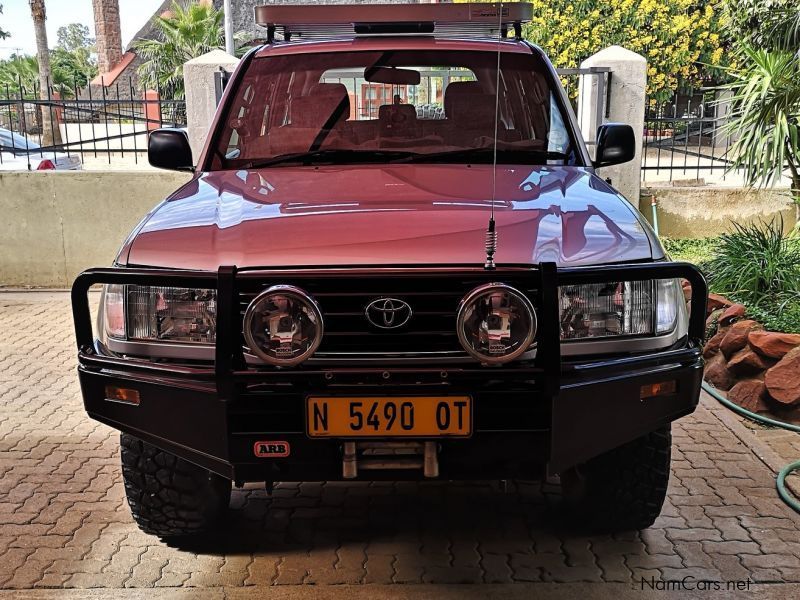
[757, 265]
[784, 317]
[697, 251]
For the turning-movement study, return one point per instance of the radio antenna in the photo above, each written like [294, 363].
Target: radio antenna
[491, 230]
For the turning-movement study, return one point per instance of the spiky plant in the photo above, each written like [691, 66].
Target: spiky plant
[757, 265]
[765, 99]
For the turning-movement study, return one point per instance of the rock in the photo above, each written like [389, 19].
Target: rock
[732, 313]
[713, 318]
[718, 375]
[750, 394]
[687, 290]
[783, 380]
[773, 344]
[736, 337]
[715, 302]
[747, 362]
[712, 346]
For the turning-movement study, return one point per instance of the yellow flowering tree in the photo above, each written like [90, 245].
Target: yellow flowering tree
[679, 38]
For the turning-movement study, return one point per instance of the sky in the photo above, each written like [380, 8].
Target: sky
[16, 19]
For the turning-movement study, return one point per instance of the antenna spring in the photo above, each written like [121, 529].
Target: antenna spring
[491, 245]
[491, 233]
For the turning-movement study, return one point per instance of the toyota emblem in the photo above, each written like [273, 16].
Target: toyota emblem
[388, 313]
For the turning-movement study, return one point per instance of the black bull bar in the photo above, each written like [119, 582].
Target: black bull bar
[230, 372]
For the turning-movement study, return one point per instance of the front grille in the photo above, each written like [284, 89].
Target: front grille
[433, 298]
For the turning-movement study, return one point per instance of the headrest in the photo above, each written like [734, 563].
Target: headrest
[474, 111]
[456, 90]
[397, 114]
[329, 89]
[322, 101]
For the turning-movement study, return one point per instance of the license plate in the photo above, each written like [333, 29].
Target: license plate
[412, 416]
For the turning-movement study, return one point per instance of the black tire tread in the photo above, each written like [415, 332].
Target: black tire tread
[624, 489]
[169, 496]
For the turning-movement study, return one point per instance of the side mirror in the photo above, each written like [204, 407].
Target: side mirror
[169, 149]
[616, 144]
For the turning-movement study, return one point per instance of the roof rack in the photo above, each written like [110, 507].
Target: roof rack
[325, 21]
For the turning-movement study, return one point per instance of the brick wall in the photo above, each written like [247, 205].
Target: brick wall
[109, 36]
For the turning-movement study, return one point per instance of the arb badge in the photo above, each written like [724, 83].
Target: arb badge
[271, 449]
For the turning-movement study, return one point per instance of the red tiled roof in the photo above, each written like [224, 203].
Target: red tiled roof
[109, 78]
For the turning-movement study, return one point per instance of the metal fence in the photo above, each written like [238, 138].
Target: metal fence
[93, 121]
[685, 138]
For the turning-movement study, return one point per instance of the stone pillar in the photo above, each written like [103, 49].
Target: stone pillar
[201, 99]
[720, 138]
[108, 33]
[627, 99]
[591, 107]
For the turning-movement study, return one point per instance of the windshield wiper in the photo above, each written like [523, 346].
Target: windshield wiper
[485, 155]
[333, 156]
[353, 156]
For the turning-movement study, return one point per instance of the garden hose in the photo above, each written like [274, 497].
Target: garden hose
[783, 491]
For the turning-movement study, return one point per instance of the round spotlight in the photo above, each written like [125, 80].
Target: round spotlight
[496, 323]
[283, 326]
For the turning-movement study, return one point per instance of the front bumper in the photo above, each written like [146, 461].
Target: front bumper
[530, 418]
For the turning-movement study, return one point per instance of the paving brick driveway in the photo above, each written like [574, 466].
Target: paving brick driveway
[64, 521]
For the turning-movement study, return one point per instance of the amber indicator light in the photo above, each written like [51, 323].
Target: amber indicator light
[662, 388]
[124, 395]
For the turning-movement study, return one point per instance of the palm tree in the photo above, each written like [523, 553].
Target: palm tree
[186, 31]
[765, 99]
[3, 33]
[18, 78]
[51, 134]
[19, 71]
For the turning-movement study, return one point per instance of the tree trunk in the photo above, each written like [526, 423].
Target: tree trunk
[794, 169]
[51, 134]
[23, 122]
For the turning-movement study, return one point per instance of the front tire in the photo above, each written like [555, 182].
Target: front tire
[623, 489]
[169, 496]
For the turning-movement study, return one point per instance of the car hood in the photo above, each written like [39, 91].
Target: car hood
[389, 215]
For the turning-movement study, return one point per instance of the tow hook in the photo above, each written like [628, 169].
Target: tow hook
[390, 456]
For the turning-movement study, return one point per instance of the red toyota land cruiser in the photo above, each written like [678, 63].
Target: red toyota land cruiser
[394, 261]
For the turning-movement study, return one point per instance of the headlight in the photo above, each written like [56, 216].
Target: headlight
[113, 311]
[159, 314]
[283, 326]
[496, 323]
[171, 314]
[625, 308]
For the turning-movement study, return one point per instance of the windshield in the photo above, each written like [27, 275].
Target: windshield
[393, 106]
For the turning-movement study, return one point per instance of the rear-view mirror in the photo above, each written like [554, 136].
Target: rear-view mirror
[392, 75]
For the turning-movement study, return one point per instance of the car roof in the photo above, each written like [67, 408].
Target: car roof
[327, 20]
[372, 43]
